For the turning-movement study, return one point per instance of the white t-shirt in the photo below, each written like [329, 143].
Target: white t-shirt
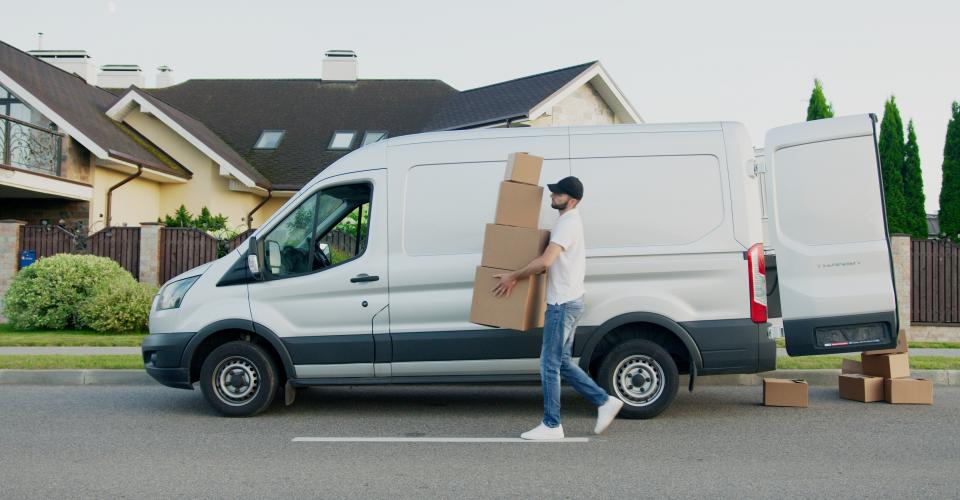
[565, 276]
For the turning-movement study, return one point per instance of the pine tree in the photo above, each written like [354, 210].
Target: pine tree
[950, 187]
[891, 164]
[818, 107]
[916, 213]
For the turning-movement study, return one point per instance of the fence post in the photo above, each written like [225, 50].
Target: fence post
[150, 252]
[900, 245]
[9, 256]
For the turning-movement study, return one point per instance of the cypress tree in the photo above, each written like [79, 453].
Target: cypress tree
[913, 186]
[950, 186]
[891, 164]
[818, 107]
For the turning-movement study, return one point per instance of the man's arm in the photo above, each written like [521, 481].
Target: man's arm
[536, 266]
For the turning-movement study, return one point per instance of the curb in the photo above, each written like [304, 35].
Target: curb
[946, 378]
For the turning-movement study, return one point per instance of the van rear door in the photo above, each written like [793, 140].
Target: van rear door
[827, 225]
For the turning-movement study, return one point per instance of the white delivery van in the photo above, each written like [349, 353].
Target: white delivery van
[365, 275]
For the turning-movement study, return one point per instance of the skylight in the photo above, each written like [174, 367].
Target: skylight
[269, 139]
[342, 139]
[372, 136]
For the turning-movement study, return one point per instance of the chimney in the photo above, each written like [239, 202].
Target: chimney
[164, 77]
[120, 76]
[77, 62]
[340, 65]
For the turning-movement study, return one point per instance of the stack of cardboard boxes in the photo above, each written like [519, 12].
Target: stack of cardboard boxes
[884, 376]
[509, 244]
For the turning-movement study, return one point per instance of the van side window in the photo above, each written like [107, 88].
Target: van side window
[328, 228]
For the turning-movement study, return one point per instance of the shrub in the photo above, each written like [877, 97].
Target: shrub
[121, 307]
[48, 293]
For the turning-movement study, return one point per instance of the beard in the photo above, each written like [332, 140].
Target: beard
[562, 206]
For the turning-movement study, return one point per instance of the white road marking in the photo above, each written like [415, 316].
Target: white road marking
[430, 440]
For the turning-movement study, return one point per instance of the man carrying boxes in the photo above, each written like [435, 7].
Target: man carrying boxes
[564, 260]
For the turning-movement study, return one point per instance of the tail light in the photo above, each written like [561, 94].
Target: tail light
[757, 271]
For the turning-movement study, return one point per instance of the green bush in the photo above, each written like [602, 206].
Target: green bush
[49, 293]
[121, 307]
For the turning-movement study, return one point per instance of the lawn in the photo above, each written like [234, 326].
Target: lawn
[9, 337]
[820, 362]
[912, 345]
[61, 361]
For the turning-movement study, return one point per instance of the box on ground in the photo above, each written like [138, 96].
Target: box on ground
[862, 388]
[523, 167]
[518, 205]
[851, 366]
[900, 349]
[886, 365]
[509, 247]
[918, 391]
[522, 310]
[785, 392]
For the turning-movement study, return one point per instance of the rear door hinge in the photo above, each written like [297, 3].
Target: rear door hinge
[759, 166]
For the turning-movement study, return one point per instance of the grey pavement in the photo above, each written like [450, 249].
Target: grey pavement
[134, 442]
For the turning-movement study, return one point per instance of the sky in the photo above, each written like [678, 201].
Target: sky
[747, 61]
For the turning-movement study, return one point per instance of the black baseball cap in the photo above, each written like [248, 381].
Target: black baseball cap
[568, 185]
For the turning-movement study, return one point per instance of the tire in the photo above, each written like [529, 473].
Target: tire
[239, 379]
[657, 372]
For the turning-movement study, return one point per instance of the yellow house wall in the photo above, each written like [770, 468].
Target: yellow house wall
[207, 188]
[134, 202]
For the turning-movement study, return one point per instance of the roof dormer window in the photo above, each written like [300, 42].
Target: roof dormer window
[372, 136]
[342, 139]
[269, 139]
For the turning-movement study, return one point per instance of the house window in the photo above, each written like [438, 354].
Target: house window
[269, 139]
[372, 136]
[342, 139]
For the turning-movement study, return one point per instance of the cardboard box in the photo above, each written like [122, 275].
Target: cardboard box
[518, 205]
[900, 349]
[524, 168]
[851, 366]
[785, 392]
[522, 310]
[509, 247]
[886, 365]
[861, 387]
[918, 391]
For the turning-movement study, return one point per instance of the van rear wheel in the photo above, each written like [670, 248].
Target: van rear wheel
[643, 375]
[239, 379]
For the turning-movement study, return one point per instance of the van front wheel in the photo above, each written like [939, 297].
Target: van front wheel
[643, 375]
[239, 379]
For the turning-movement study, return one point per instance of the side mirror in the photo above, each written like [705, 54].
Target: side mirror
[254, 258]
[273, 256]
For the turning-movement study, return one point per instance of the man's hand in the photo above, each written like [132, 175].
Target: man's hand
[506, 284]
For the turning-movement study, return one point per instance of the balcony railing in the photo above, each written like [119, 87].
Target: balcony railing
[27, 146]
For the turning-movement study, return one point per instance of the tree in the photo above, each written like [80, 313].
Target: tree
[950, 186]
[916, 213]
[818, 107]
[891, 166]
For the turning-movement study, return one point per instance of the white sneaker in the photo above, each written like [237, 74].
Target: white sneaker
[606, 413]
[543, 433]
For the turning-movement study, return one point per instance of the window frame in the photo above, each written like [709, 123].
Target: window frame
[268, 274]
[283, 133]
[333, 137]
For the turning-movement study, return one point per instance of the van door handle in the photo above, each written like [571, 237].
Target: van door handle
[362, 277]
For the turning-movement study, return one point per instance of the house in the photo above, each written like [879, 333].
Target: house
[122, 154]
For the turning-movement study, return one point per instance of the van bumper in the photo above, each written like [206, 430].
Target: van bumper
[162, 355]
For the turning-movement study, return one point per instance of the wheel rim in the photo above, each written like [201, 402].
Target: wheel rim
[236, 381]
[638, 380]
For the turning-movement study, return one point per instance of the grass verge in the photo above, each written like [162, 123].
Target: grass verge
[913, 345]
[66, 361]
[824, 362]
[10, 337]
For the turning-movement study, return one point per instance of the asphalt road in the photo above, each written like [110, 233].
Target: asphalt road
[138, 441]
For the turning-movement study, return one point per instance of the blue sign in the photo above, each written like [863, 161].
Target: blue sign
[27, 257]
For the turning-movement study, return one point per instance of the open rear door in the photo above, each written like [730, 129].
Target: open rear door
[827, 226]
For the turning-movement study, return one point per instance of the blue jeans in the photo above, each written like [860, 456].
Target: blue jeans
[559, 325]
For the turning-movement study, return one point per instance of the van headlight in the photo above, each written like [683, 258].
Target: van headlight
[171, 296]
